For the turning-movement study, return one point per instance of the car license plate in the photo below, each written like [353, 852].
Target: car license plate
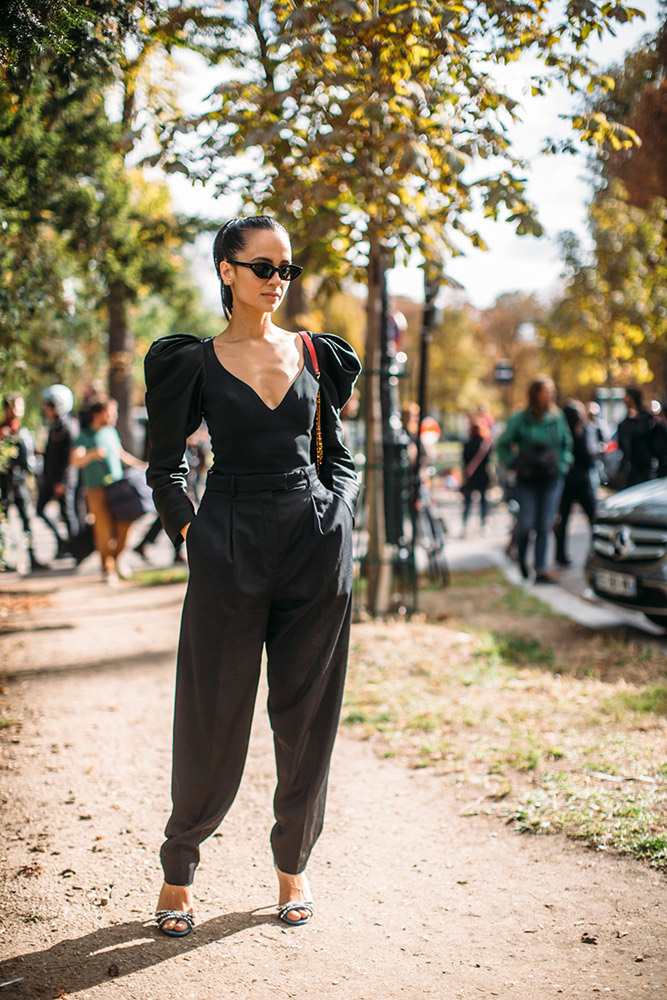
[620, 584]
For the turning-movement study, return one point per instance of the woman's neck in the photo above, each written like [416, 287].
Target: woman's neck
[249, 324]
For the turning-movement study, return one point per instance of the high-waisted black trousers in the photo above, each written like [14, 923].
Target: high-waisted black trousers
[270, 564]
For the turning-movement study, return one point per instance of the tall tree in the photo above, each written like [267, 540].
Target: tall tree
[64, 166]
[366, 124]
[639, 99]
[609, 325]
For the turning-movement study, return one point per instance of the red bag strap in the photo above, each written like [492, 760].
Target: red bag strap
[310, 347]
[319, 444]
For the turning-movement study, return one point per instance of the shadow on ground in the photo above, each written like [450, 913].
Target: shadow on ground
[82, 963]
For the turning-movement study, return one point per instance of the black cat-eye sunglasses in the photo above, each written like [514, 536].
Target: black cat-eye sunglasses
[286, 272]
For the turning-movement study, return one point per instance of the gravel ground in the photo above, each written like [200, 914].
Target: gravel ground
[414, 899]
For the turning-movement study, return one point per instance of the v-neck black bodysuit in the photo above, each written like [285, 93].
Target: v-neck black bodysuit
[185, 381]
[246, 434]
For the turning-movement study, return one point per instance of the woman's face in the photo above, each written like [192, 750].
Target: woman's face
[546, 395]
[270, 246]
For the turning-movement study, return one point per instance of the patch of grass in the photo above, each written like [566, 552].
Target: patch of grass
[496, 708]
[359, 716]
[600, 819]
[522, 602]
[653, 848]
[514, 650]
[476, 578]
[8, 722]
[158, 576]
[425, 722]
[518, 758]
[653, 700]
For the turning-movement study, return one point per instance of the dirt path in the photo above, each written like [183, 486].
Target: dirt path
[413, 899]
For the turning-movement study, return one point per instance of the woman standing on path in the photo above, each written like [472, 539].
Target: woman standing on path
[537, 444]
[270, 553]
[99, 454]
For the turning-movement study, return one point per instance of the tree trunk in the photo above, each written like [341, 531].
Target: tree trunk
[295, 304]
[121, 352]
[379, 552]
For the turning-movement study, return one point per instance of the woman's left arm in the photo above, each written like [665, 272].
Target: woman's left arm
[339, 370]
[130, 460]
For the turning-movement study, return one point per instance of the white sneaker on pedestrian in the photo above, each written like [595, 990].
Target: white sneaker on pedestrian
[123, 571]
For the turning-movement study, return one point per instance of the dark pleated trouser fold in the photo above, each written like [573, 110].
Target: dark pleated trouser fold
[267, 566]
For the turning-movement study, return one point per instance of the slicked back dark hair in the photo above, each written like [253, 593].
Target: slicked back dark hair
[230, 240]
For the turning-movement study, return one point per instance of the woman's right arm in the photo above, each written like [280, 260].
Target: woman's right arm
[174, 369]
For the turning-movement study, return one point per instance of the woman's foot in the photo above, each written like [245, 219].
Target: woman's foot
[175, 897]
[294, 889]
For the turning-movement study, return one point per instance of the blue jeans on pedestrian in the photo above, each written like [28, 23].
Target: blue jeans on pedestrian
[538, 505]
[467, 504]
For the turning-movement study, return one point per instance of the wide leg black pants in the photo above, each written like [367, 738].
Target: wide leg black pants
[267, 567]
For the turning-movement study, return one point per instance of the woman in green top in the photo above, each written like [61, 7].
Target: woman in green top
[100, 456]
[537, 445]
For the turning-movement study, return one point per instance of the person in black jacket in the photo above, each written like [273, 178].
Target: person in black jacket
[636, 440]
[17, 467]
[59, 478]
[270, 555]
[578, 485]
[476, 479]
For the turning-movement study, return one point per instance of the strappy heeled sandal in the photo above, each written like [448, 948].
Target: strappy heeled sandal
[163, 917]
[294, 907]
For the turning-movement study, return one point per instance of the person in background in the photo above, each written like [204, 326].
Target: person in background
[476, 479]
[17, 467]
[636, 440]
[598, 433]
[537, 444]
[100, 456]
[353, 427]
[483, 412]
[58, 479]
[578, 485]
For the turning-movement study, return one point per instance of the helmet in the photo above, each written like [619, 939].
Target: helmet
[59, 397]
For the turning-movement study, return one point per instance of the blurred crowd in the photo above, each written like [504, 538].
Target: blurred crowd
[64, 479]
[548, 460]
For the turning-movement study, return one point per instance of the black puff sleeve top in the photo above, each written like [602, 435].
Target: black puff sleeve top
[185, 383]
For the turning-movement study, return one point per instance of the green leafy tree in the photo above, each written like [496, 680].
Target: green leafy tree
[78, 36]
[65, 179]
[639, 99]
[375, 127]
[611, 320]
[611, 323]
[457, 361]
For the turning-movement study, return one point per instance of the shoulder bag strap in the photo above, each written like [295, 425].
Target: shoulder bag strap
[319, 447]
[479, 456]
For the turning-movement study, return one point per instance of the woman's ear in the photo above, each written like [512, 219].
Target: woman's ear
[226, 272]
